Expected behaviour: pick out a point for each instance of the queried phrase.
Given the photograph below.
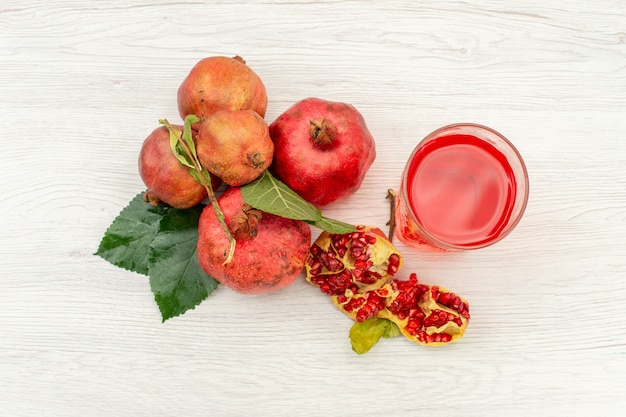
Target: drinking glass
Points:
(465, 186)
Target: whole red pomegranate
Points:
(221, 82)
(269, 251)
(322, 149)
(235, 145)
(164, 176)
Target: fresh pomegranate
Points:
(428, 315)
(323, 149)
(221, 82)
(351, 262)
(235, 145)
(269, 251)
(166, 179)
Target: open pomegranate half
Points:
(354, 262)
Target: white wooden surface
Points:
(83, 83)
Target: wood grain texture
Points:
(83, 83)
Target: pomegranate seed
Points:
(319, 280)
(356, 252)
(316, 250)
(444, 298)
(316, 268)
(434, 292)
(360, 264)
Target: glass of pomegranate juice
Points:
(464, 187)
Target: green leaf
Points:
(391, 330)
(187, 135)
(176, 278)
(333, 226)
(160, 241)
(177, 148)
(126, 243)
(364, 335)
(176, 136)
(270, 195)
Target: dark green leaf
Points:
(270, 195)
(126, 243)
(333, 226)
(160, 242)
(364, 335)
(176, 278)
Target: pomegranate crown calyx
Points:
(244, 224)
(322, 132)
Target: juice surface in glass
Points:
(461, 191)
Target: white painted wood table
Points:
(83, 83)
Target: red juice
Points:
(461, 189)
(460, 192)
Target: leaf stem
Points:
(205, 179)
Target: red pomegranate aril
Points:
(374, 303)
(383, 292)
(444, 298)
(315, 250)
(415, 312)
(361, 264)
(354, 303)
(316, 269)
(439, 318)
